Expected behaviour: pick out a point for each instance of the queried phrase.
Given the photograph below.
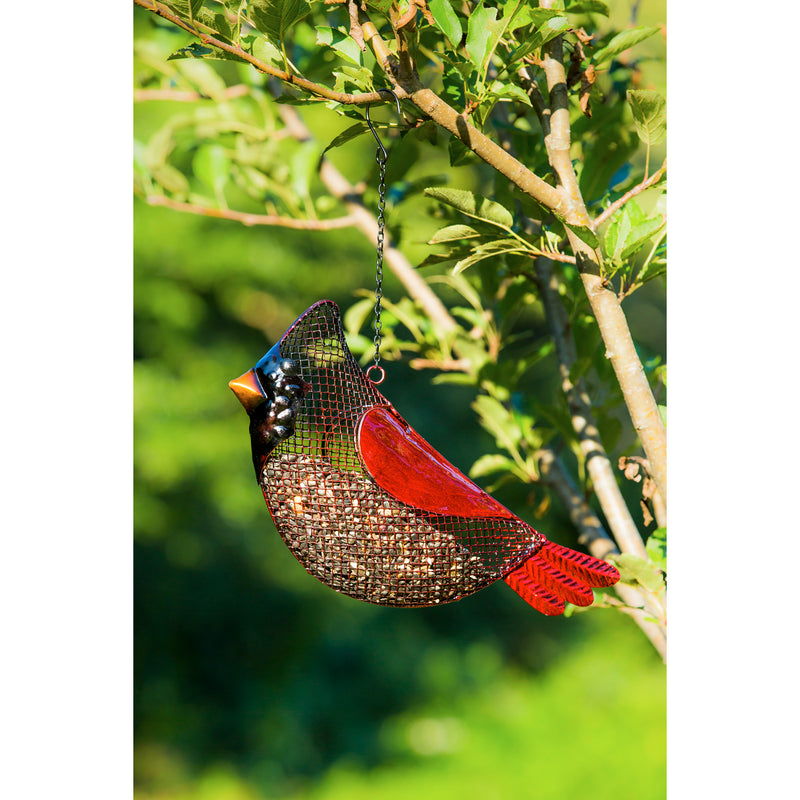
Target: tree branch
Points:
(178, 96)
(638, 189)
(252, 219)
(598, 464)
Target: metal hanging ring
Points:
(382, 374)
(369, 121)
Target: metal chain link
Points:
(381, 156)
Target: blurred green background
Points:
(253, 680)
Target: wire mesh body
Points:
(343, 526)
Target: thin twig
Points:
(443, 365)
(176, 95)
(553, 256)
(249, 219)
(638, 189)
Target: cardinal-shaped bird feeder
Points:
(368, 506)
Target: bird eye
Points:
(288, 367)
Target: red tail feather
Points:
(556, 574)
(589, 570)
(534, 594)
(558, 582)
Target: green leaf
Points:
(641, 235)
(446, 20)
(173, 180)
(204, 77)
(356, 316)
(496, 419)
(479, 34)
(588, 7)
(484, 32)
(263, 49)
(633, 569)
(382, 5)
(275, 17)
(662, 412)
(460, 154)
(346, 135)
(629, 230)
(197, 50)
(657, 548)
(194, 7)
(649, 115)
(623, 41)
(473, 205)
(303, 166)
(181, 7)
(585, 234)
(340, 41)
(453, 233)
(489, 464)
(510, 91)
(456, 378)
(551, 27)
(212, 166)
(489, 250)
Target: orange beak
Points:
(247, 388)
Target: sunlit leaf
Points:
(446, 20)
(480, 29)
(657, 548)
(212, 165)
(275, 17)
(634, 569)
(553, 26)
(649, 115)
(453, 233)
(630, 228)
(340, 41)
(473, 205)
(623, 41)
(346, 135)
(489, 464)
(496, 418)
(197, 50)
(588, 7)
(585, 234)
(511, 91)
(382, 5)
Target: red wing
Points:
(403, 464)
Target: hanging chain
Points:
(381, 156)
